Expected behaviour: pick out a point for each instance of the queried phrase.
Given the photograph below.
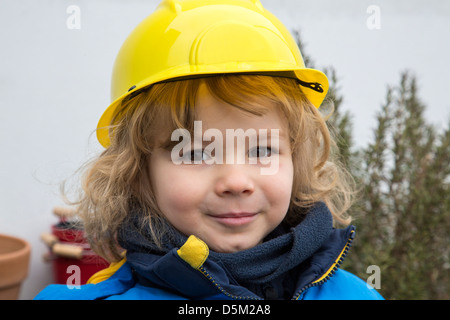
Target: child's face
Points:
(231, 206)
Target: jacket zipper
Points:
(219, 287)
(325, 277)
(330, 272)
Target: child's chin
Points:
(232, 247)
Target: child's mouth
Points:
(234, 218)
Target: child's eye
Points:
(260, 152)
(196, 155)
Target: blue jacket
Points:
(187, 273)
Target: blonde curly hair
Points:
(118, 180)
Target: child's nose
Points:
(234, 180)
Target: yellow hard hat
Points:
(183, 38)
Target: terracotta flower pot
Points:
(14, 260)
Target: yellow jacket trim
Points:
(105, 274)
(336, 262)
(194, 252)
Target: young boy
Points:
(216, 181)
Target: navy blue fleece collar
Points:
(257, 265)
(273, 258)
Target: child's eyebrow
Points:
(168, 144)
(280, 133)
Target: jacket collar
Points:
(175, 273)
(191, 272)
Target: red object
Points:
(75, 271)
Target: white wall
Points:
(54, 85)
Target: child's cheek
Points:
(278, 187)
(180, 192)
